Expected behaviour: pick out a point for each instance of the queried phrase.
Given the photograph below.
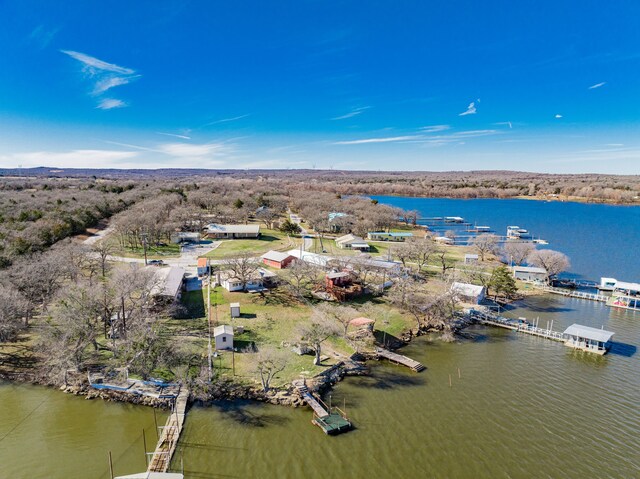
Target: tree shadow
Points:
(193, 301)
(386, 379)
(242, 414)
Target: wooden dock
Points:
(161, 457)
(330, 422)
(517, 325)
(400, 359)
(570, 293)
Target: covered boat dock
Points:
(589, 339)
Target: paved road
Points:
(307, 241)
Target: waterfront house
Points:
(607, 284)
(444, 240)
(530, 274)
(625, 295)
(353, 242)
(589, 339)
(223, 336)
(277, 259)
(470, 258)
(216, 231)
(234, 310)
(384, 236)
(469, 293)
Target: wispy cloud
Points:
(435, 128)
(191, 150)
(597, 85)
(504, 123)
(352, 113)
(184, 137)
(388, 139)
(558, 116)
(71, 159)
(471, 109)
(104, 76)
(226, 120)
(110, 104)
(42, 36)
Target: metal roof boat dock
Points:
(588, 339)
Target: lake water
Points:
(600, 240)
(522, 406)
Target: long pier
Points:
(168, 441)
(400, 359)
(576, 294)
(516, 325)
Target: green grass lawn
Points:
(269, 240)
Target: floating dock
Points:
(323, 416)
(518, 325)
(400, 359)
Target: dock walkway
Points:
(575, 294)
(400, 359)
(310, 399)
(515, 325)
(161, 457)
(323, 417)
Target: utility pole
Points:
(144, 246)
(209, 323)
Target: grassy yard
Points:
(153, 252)
(269, 240)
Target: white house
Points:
(469, 293)
(530, 273)
(216, 231)
(470, 258)
(352, 242)
(444, 240)
(261, 279)
(223, 336)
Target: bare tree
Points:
(242, 268)
(341, 314)
(13, 307)
(267, 363)
(517, 252)
(554, 262)
(445, 263)
(302, 275)
(485, 244)
(317, 331)
(268, 216)
(103, 251)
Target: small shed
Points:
(203, 266)
(530, 273)
(469, 293)
(471, 258)
(589, 339)
(362, 323)
(223, 336)
(234, 309)
(277, 259)
(338, 278)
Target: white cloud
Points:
(184, 137)
(471, 109)
(435, 128)
(558, 116)
(71, 159)
(352, 113)
(184, 150)
(105, 76)
(504, 123)
(597, 85)
(226, 120)
(379, 140)
(110, 103)
(92, 64)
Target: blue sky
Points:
(549, 86)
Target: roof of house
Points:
(470, 256)
(628, 286)
(398, 234)
(234, 305)
(311, 258)
(230, 229)
(364, 244)
(335, 214)
(445, 239)
(223, 329)
(168, 280)
(529, 269)
(277, 256)
(467, 289)
(203, 262)
(362, 321)
(351, 239)
(588, 332)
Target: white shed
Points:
(530, 273)
(235, 310)
(469, 293)
(470, 258)
(223, 336)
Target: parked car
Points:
(155, 262)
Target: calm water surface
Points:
(522, 406)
